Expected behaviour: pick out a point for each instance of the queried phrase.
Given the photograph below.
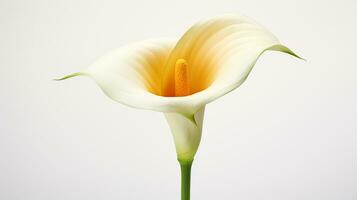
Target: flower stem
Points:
(185, 178)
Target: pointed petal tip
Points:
(69, 76)
(290, 52)
(285, 49)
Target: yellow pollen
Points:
(181, 78)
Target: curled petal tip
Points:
(285, 49)
(69, 76)
(295, 55)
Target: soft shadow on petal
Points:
(132, 75)
(220, 53)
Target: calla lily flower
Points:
(178, 77)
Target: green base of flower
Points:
(185, 178)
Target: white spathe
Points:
(220, 52)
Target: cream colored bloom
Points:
(179, 77)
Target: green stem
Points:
(185, 179)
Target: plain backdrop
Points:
(288, 133)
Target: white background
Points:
(288, 133)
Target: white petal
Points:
(220, 52)
(132, 74)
